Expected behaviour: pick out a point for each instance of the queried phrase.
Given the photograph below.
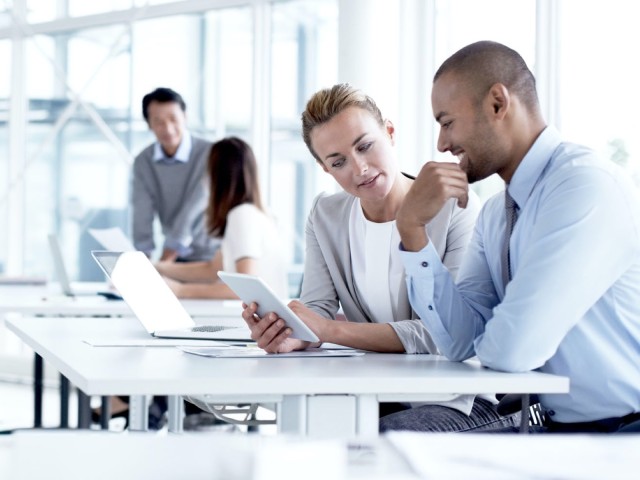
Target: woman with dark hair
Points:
(235, 214)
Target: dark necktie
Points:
(510, 211)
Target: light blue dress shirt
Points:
(573, 305)
(181, 155)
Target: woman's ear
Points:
(391, 131)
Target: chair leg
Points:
(524, 416)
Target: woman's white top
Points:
(378, 272)
(378, 275)
(250, 233)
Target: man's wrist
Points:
(413, 238)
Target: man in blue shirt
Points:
(168, 182)
(571, 305)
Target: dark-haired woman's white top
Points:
(251, 233)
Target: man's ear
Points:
(499, 100)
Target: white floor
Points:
(16, 407)
(16, 404)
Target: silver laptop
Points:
(153, 302)
(62, 275)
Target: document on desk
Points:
(155, 342)
(254, 352)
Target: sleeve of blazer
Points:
(318, 289)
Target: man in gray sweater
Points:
(168, 181)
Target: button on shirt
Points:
(572, 307)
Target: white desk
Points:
(109, 456)
(314, 396)
(399, 456)
(47, 300)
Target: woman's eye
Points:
(365, 146)
(338, 163)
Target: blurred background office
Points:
(74, 72)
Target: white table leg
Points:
(367, 408)
(291, 413)
(176, 413)
(138, 413)
(328, 416)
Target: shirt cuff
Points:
(423, 263)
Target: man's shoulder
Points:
(579, 163)
(200, 148)
(145, 156)
(198, 143)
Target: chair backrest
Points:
(512, 403)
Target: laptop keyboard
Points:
(209, 328)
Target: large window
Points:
(5, 180)
(85, 119)
(598, 79)
(70, 119)
(463, 22)
(77, 167)
(303, 59)
(243, 69)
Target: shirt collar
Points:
(181, 155)
(528, 173)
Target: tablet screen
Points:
(253, 289)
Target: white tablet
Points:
(252, 289)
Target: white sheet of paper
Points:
(252, 351)
(112, 239)
(154, 342)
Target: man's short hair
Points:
(162, 95)
(485, 63)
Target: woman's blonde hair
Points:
(329, 102)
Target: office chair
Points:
(222, 411)
(511, 403)
(633, 427)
